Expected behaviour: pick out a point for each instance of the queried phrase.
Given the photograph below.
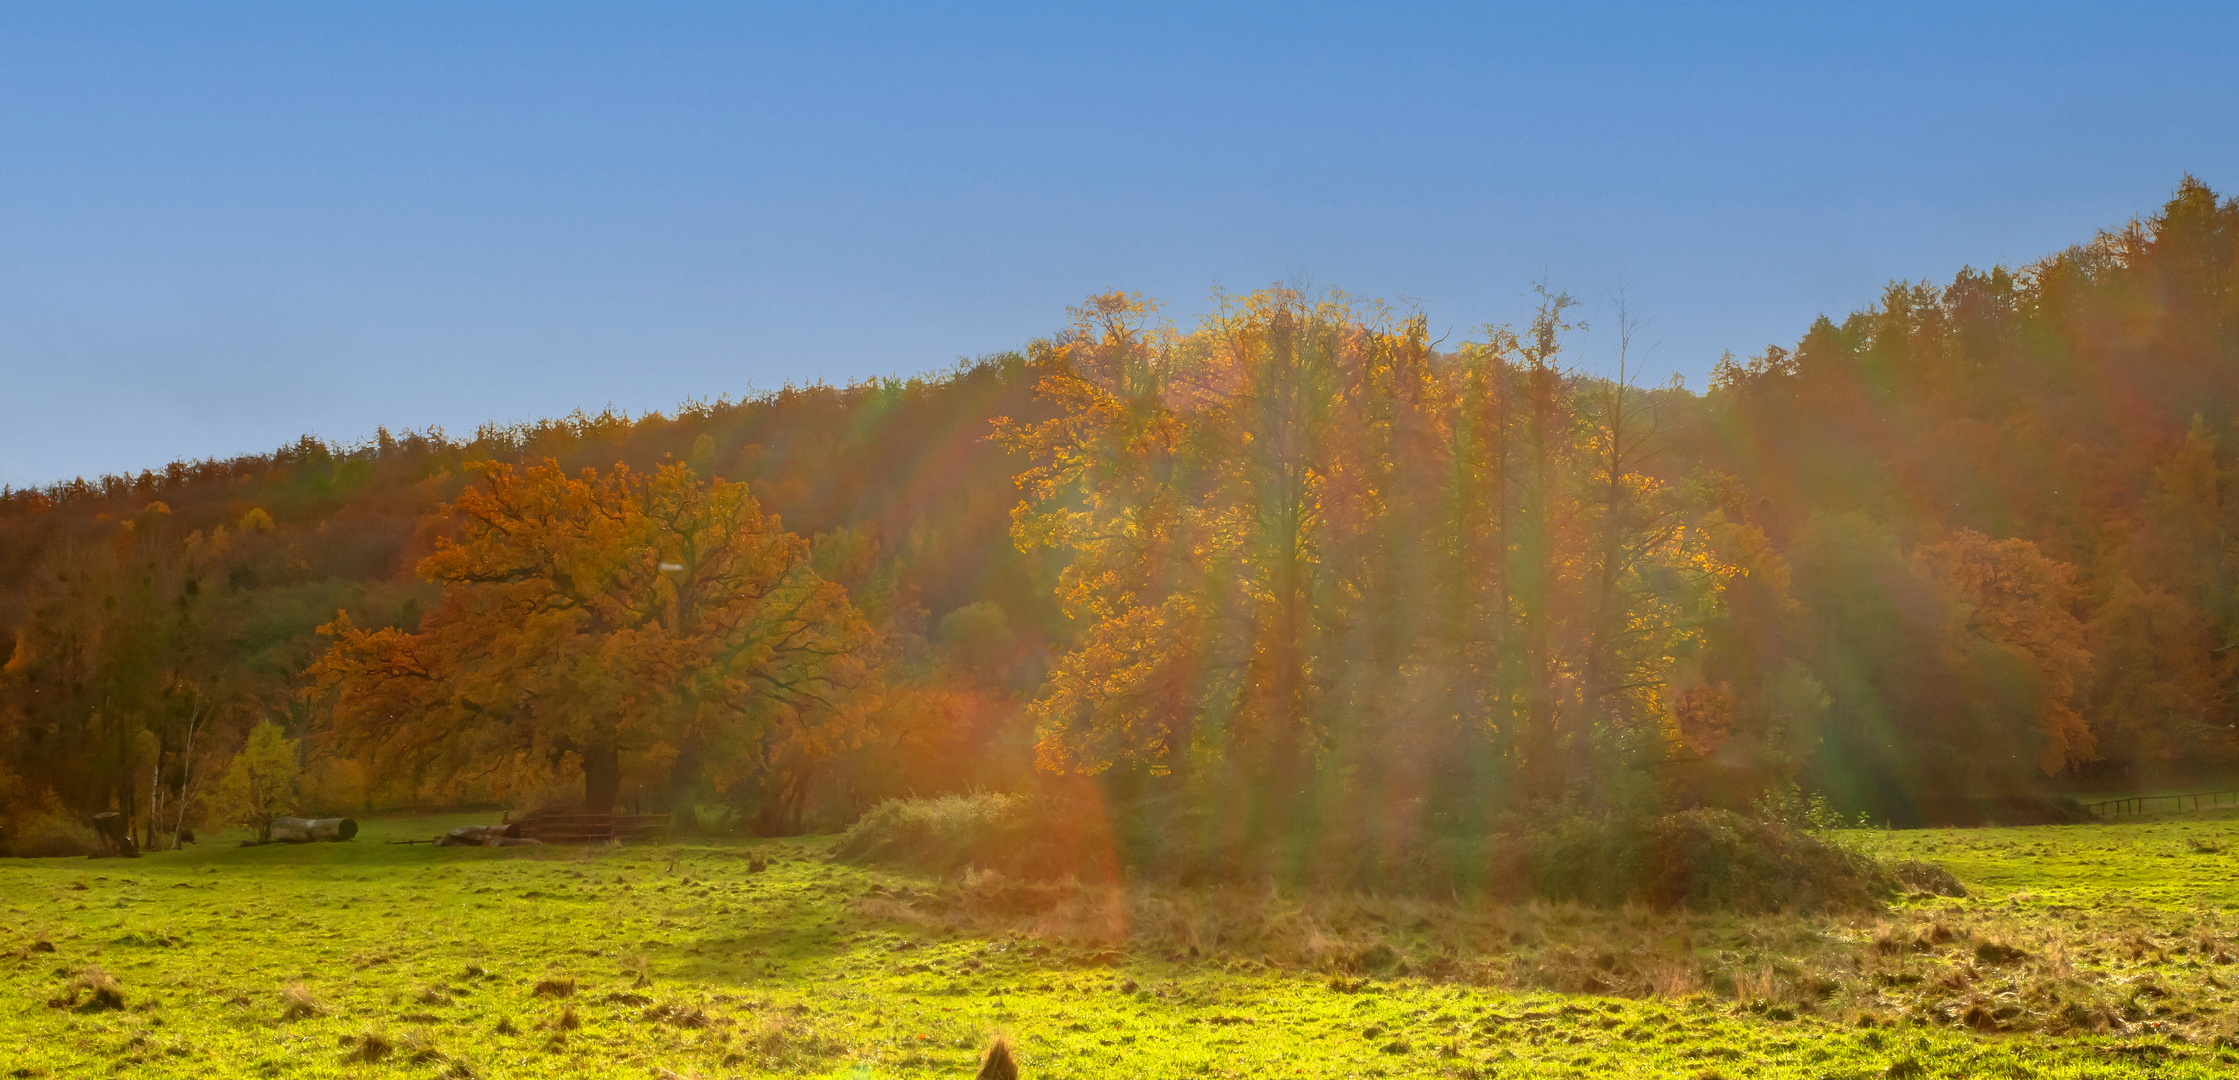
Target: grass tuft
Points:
(1926, 878)
(297, 1003)
(996, 1064)
(371, 1047)
(1998, 952)
(677, 1014)
(100, 990)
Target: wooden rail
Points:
(2135, 805)
(556, 828)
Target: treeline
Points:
(2008, 498)
(153, 623)
(1291, 566)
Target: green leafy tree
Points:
(260, 785)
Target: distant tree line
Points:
(1292, 563)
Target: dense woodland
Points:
(1291, 565)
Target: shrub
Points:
(52, 835)
(1014, 835)
(1695, 859)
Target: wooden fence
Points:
(557, 828)
(2135, 805)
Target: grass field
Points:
(2082, 951)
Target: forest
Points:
(1292, 563)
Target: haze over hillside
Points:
(1973, 540)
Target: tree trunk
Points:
(115, 831)
(295, 830)
(602, 778)
(684, 789)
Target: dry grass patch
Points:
(369, 1048)
(92, 989)
(297, 1003)
(1976, 966)
(678, 1014)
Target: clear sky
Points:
(222, 226)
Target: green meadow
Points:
(2080, 951)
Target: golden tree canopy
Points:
(600, 615)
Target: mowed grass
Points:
(709, 958)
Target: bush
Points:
(1695, 859)
(51, 835)
(1015, 835)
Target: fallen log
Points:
(295, 830)
(480, 836)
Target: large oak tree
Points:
(604, 619)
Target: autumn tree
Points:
(260, 784)
(2014, 635)
(1317, 564)
(2157, 699)
(602, 618)
(1747, 707)
(116, 669)
(1107, 486)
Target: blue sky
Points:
(223, 226)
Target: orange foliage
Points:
(606, 616)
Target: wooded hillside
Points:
(1293, 563)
